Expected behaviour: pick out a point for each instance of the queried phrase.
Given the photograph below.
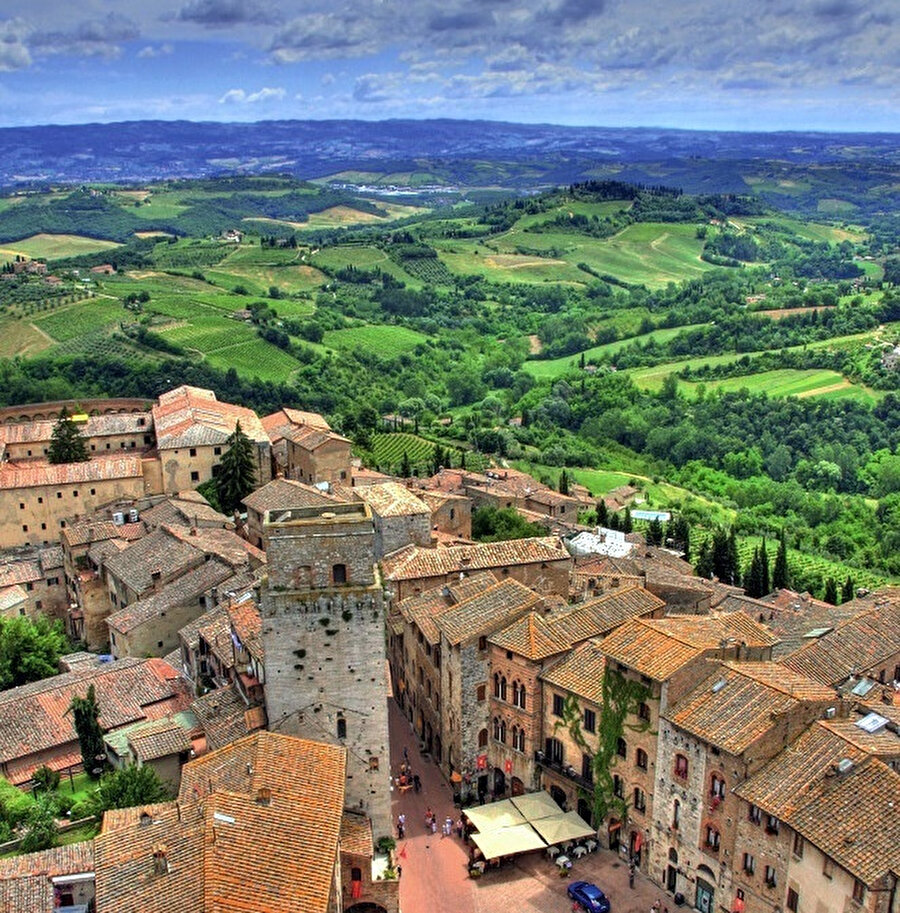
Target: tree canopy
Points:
(66, 443)
(127, 787)
(30, 649)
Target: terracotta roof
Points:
(216, 633)
(159, 739)
(225, 544)
(185, 509)
(436, 499)
(11, 597)
(659, 647)
(36, 718)
(184, 590)
(533, 637)
(740, 702)
(221, 714)
(850, 816)
(286, 416)
(156, 552)
(857, 645)
(190, 633)
(16, 570)
(883, 743)
(483, 614)
(247, 623)
(51, 558)
(84, 532)
(601, 615)
(189, 416)
(391, 499)
(286, 494)
(60, 860)
(356, 834)
(413, 562)
(37, 474)
(581, 672)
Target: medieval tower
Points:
(324, 636)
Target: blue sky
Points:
(701, 64)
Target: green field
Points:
(790, 382)
(555, 367)
(387, 341)
(388, 450)
(18, 338)
(85, 317)
(55, 247)
(361, 257)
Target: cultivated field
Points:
(55, 247)
(387, 341)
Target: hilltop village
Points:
(742, 752)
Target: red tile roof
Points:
(36, 474)
(190, 416)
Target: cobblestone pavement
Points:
(434, 876)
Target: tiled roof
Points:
(88, 531)
(659, 647)
(740, 702)
(436, 499)
(884, 743)
(185, 509)
(850, 816)
(96, 426)
(391, 499)
(158, 551)
(247, 623)
(857, 645)
(36, 716)
(103, 469)
(189, 416)
(19, 571)
(159, 739)
(601, 615)
(184, 590)
(581, 672)
(413, 562)
(356, 834)
(225, 544)
(221, 714)
(216, 633)
(11, 597)
(72, 859)
(310, 438)
(51, 558)
(483, 614)
(190, 633)
(532, 637)
(286, 494)
(276, 423)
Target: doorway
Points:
(672, 871)
(705, 896)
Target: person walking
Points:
(399, 872)
(401, 824)
(417, 783)
(433, 825)
(429, 816)
(631, 874)
(448, 826)
(459, 828)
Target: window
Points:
(554, 751)
(640, 800)
(681, 767)
(755, 814)
(644, 712)
(482, 643)
(717, 789)
(52, 581)
(40, 500)
(712, 839)
(558, 705)
(59, 494)
(499, 686)
(618, 788)
(590, 721)
(859, 891)
(193, 451)
(24, 527)
(21, 506)
(339, 573)
(749, 865)
(772, 824)
(587, 767)
(29, 585)
(797, 849)
(195, 476)
(93, 491)
(482, 738)
(355, 874)
(480, 693)
(793, 900)
(519, 695)
(828, 868)
(770, 876)
(621, 747)
(39, 605)
(640, 759)
(75, 494)
(499, 730)
(217, 451)
(676, 815)
(518, 739)
(452, 513)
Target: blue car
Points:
(589, 896)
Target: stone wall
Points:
(392, 533)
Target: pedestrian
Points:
(429, 816)
(417, 782)
(399, 872)
(406, 754)
(631, 874)
(399, 830)
(448, 826)
(433, 825)
(459, 828)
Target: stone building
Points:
(717, 736)
(282, 421)
(316, 455)
(103, 435)
(280, 494)
(323, 633)
(451, 515)
(401, 518)
(33, 583)
(542, 564)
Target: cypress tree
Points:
(704, 566)
(602, 513)
(66, 443)
(831, 594)
(564, 483)
(86, 714)
(753, 576)
(237, 471)
(733, 559)
(848, 590)
(405, 468)
(627, 524)
(780, 577)
(654, 532)
(764, 569)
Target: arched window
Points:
(497, 684)
(341, 728)
(681, 767)
(618, 789)
(483, 738)
(496, 729)
(644, 711)
(717, 788)
(713, 839)
(520, 701)
(676, 815)
(503, 731)
(640, 800)
(621, 747)
(502, 687)
(640, 759)
(519, 739)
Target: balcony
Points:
(564, 770)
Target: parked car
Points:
(589, 896)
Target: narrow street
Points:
(435, 877)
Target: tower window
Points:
(341, 728)
(339, 573)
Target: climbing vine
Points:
(620, 697)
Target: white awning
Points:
(508, 840)
(536, 805)
(562, 827)
(495, 815)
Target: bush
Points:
(45, 779)
(15, 805)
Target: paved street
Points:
(434, 876)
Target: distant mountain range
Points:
(445, 152)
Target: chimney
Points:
(155, 575)
(160, 859)
(264, 796)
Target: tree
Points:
(627, 524)
(493, 524)
(86, 713)
(30, 649)
(753, 579)
(564, 483)
(127, 787)
(848, 590)
(654, 532)
(45, 779)
(237, 471)
(679, 533)
(602, 513)
(831, 594)
(66, 443)
(405, 467)
(764, 569)
(41, 831)
(780, 574)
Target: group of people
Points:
(431, 824)
(406, 779)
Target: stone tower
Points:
(324, 637)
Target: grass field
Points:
(55, 247)
(790, 382)
(362, 257)
(472, 258)
(555, 367)
(19, 338)
(85, 317)
(383, 340)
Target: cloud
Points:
(14, 54)
(90, 38)
(149, 52)
(240, 97)
(319, 36)
(215, 14)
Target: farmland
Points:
(384, 340)
(53, 247)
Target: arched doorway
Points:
(614, 829)
(366, 908)
(672, 871)
(706, 891)
(517, 787)
(585, 812)
(499, 782)
(635, 845)
(558, 796)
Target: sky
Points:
(693, 64)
